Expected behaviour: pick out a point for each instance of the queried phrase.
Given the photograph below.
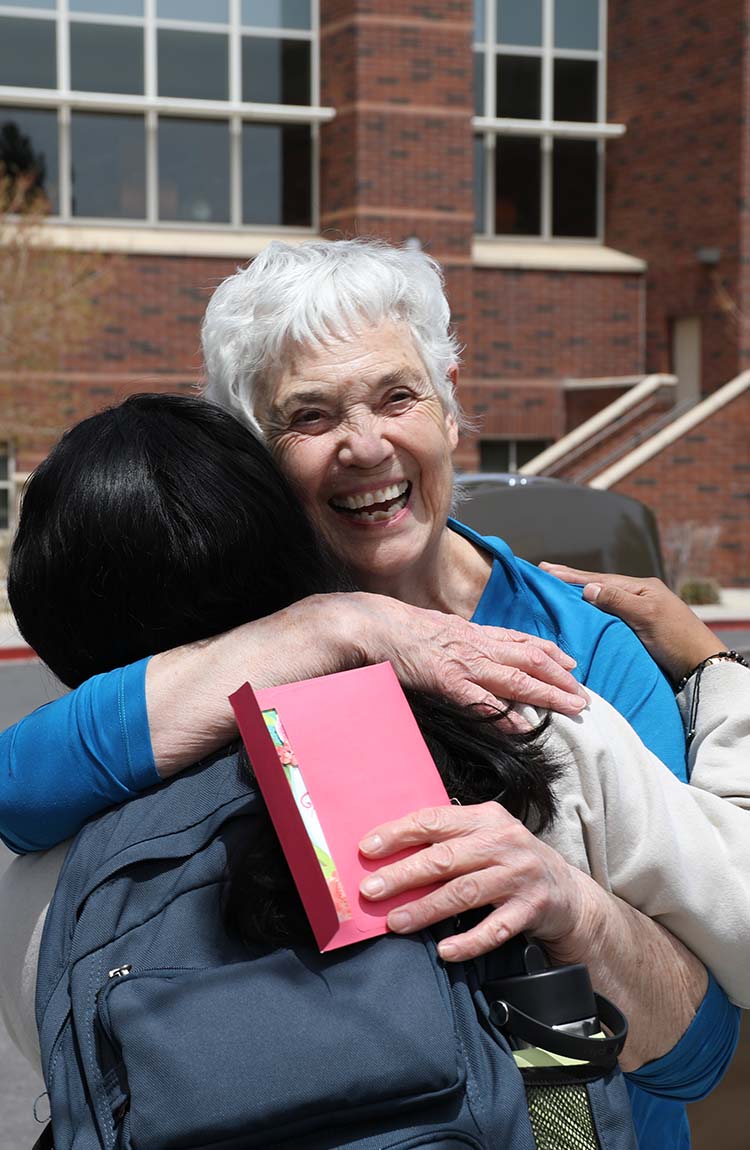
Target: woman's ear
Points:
(451, 422)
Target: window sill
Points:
(162, 240)
(541, 256)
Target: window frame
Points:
(9, 485)
(512, 443)
(234, 110)
(546, 129)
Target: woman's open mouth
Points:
(373, 506)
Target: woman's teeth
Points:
(374, 506)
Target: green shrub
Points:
(700, 592)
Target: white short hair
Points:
(301, 296)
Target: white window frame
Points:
(490, 127)
(234, 110)
(9, 485)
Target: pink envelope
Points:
(334, 757)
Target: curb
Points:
(17, 655)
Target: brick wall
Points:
(704, 478)
(143, 335)
(529, 324)
(674, 180)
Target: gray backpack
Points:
(161, 1031)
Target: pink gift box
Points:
(347, 756)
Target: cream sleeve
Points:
(680, 854)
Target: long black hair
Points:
(163, 521)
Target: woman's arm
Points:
(678, 854)
(123, 731)
(672, 634)
(483, 856)
(327, 633)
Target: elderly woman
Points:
(341, 354)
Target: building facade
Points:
(578, 167)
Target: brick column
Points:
(397, 160)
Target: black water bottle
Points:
(560, 997)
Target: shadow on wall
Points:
(719, 1122)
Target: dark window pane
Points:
(109, 166)
(216, 12)
(494, 455)
(479, 19)
(193, 64)
(27, 53)
(28, 147)
(519, 22)
(528, 449)
(4, 508)
(479, 179)
(3, 460)
(108, 7)
(478, 84)
(575, 90)
(519, 87)
(105, 58)
(577, 24)
(276, 174)
(194, 170)
(518, 173)
(275, 71)
(574, 187)
(277, 13)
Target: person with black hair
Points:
(121, 552)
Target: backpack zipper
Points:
(120, 971)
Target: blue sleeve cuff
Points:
(75, 757)
(692, 1068)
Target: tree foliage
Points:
(47, 294)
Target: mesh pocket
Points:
(561, 1117)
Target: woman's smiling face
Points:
(358, 428)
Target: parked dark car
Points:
(563, 522)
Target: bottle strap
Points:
(599, 1051)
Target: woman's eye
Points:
(398, 398)
(306, 418)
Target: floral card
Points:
(334, 757)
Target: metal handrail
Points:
(638, 437)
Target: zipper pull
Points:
(120, 971)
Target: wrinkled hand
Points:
(472, 664)
(671, 632)
(481, 856)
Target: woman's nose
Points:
(363, 444)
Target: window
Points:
(539, 86)
(200, 112)
(6, 487)
(509, 454)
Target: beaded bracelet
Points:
(731, 656)
(728, 656)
